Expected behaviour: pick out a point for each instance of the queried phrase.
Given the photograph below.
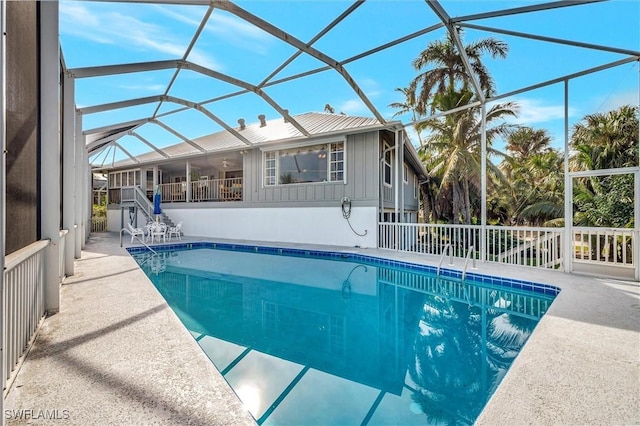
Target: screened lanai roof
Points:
(155, 74)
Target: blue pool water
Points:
(317, 338)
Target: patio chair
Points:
(175, 230)
(159, 231)
(147, 230)
(135, 231)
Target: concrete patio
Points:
(117, 354)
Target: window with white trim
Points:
(269, 168)
(415, 186)
(309, 164)
(386, 165)
(121, 179)
(405, 174)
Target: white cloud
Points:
(615, 101)
(537, 111)
(239, 33)
(352, 106)
(106, 26)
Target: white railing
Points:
(526, 246)
(538, 247)
(217, 190)
(604, 246)
(428, 238)
(173, 192)
(23, 302)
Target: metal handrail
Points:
(448, 246)
(137, 238)
(466, 262)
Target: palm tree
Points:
(605, 141)
(456, 141)
(444, 83)
(445, 69)
(533, 170)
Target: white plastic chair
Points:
(135, 232)
(147, 230)
(159, 231)
(174, 230)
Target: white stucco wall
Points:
(311, 225)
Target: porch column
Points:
(155, 178)
(567, 252)
(69, 180)
(50, 152)
(80, 187)
(188, 181)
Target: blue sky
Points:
(96, 34)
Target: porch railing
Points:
(23, 302)
(203, 190)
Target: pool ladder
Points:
(466, 262)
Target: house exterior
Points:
(275, 183)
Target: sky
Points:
(94, 34)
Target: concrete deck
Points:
(116, 353)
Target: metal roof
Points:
(257, 134)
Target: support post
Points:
(69, 171)
(568, 190)
(483, 184)
(3, 180)
(50, 150)
(79, 187)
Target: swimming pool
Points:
(313, 337)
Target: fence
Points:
(604, 246)
(537, 247)
(23, 302)
(98, 224)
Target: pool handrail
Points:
(466, 262)
(137, 238)
(444, 252)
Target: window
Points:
(405, 174)
(386, 167)
(122, 179)
(317, 163)
(269, 168)
(415, 186)
(337, 162)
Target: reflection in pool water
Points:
(307, 341)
